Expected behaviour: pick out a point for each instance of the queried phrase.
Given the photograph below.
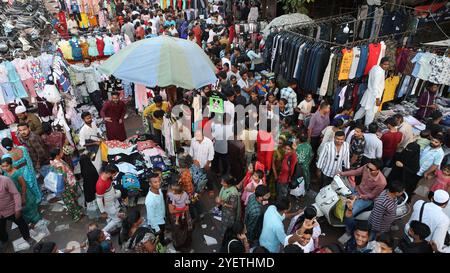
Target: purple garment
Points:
(183, 31)
(179, 201)
(427, 98)
(318, 123)
(10, 199)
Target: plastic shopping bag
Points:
(54, 182)
(300, 189)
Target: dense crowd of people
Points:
(250, 183)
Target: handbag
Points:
(54, 182)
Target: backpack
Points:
(296, 175)
(259, 224)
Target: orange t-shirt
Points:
(346, 63)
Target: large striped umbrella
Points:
(162, 61)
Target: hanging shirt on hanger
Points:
(422, 69)
(363, 56)
(390, 85)
(346, 63)
(374, 54)
(355, 62)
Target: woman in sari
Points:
(304, 156)
(277, 159)
(229, 199)
(69, 194)
(30, 209)
(22, 162)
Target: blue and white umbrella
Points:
(162, 61)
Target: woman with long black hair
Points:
(235, 239)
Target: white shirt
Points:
(173, 31)
(375, 87)
(89, 133)
(435, 218)
(237, 75)
(228, 108)
(355, 61)
(308, 248)
(374, 146)
(212, 34)
(221, 133)
(305, 107)
(202, 152)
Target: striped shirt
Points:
(383, 213)
(291, 97)
(330, 162)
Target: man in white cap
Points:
(31, 119)
(432, 214)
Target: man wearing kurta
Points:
(113, 112)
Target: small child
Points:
(255, 180)
(179, 199)
(304, 109)
(104, 239)
(424, 139)
(441, 181)
(345, 113)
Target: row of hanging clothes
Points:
(340, 73)
(380, 20)
(294, 56)
(92, 46)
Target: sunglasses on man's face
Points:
(372, 170)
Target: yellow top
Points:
(346, 63)
(66, 49)
(84, 23)
(157, 123)
(390, 85)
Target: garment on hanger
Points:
(390, 85)
(346, 63)
(363, 57)
(109, 47)
(374, 53)
(77, 53)
(93, 51)
(100, 46)
(440, 70)
(14, 79)
(422, 68)
(355, 61)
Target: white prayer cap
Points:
(20, 109)
(440, 196)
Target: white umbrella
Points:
(439, 43)
(285, 22)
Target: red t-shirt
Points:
(374, 54)
(390, 141)
(102, 186)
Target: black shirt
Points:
(434, 128)
(408, 247)
(240, 100)
(244, 13)
(233, 246)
